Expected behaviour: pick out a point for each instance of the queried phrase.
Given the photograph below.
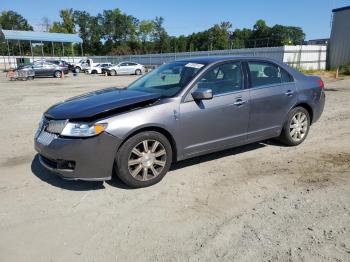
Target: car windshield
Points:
(168, 79)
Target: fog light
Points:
(64, 164)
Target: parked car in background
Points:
(83, 65)
(180, 110)
(97, 69)
(46, 69)
(125, 68)
(61, 63)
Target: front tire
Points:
(113, 73)
(296, 128)
(138, 72)
(77, 70)
(144, 159)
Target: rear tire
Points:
(296, 127)
(77, 70)
(58, 74)
(144, 159)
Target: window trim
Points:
(187, 96)
(250, 86)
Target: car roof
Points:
(215, 59)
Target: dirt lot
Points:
(261, 202)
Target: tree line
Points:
(113, 32)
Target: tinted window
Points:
(286, 77)
(49, 64)
(53, 62)
(222, 79)
(132, 64)
(263, 73)
(123, 64)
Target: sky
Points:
(187, 16)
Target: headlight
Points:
(83, 129)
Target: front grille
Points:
(55, 126)
(46, 138)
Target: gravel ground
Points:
(260, 202)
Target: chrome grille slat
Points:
(46, 138)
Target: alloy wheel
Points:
(58, 74)
(147, 160)
(298, 126)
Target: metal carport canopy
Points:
(39, 36)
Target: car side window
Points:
(265, 73)
(123, 64)
(286, 77)
(222, 79)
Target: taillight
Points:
(320, 83)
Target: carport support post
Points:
(42, 50)
(31, 50)
(81, 49)
(20, 49)
(53, 49)
(8, 52)
(62, 49)
(73, 52)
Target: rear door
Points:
(220, 122)
(49, 69)
(272, 94)
(132, 68)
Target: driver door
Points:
(220, 122)
(122, 69)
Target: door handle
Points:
(289, 93)
(239, 102)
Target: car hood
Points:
(100, 102)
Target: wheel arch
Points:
(308, 108)
(160, 130)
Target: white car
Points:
(126, 68)
(97, 69)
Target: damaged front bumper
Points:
(89, 159)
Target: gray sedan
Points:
(180, 110)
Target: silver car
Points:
(180, 110)
(126, 68)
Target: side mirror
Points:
(202, 94)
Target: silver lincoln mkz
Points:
(180, 110)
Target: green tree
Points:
(67, 24)
(12, 20)
(90, 30)
(146, 30)
(160, 36)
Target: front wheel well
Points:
(159, 130)
(308, 108)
